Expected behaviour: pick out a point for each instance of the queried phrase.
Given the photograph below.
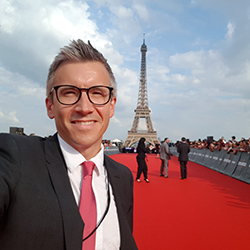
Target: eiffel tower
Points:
(142, 111)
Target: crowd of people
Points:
(230, 146)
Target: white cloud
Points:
(12, 117)
(179, 78)
(142, 12)
(230, 31)
(9, 118)
(21, 103)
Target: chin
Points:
(86, 142)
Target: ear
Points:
(112, 107)
(49, 106)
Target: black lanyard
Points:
(105, 213)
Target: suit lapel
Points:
(114, 177)
(71, 218)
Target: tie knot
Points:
(88, 167)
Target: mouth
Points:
(83, 123)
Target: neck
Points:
(90, 152)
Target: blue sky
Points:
(198, 61)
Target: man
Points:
(234, 139)
(165, 156)
(183, 149)
(40, 179)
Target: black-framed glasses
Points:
(69, 94)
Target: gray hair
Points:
(79, 51)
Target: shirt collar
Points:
(73, 158)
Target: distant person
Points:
(234, 139)
(223, 142)
(165, 156)
(183, 149)
(142, 165)
(64, 193)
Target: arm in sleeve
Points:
(9, 162)
(178, 149)
(130, 187)
(167, 149)
(145, 150)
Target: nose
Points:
(84, 105)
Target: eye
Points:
(98, 91)
(68, 91)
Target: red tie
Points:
(87, 206)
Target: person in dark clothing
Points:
(183, 150)
(142, 166)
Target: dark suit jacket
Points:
(37, 205)
(183, 150)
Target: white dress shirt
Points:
(108, 233)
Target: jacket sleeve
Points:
(10, 170)
(167, 149)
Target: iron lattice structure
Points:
(142, 111)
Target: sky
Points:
(198, 62)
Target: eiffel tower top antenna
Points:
(142, 102)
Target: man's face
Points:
(167, 141)
(83, 124)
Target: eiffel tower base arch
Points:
(135, 137)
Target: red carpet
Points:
(208, 210)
